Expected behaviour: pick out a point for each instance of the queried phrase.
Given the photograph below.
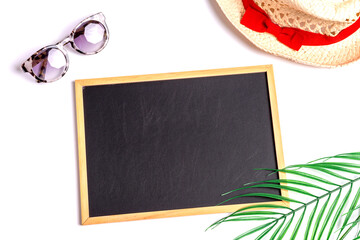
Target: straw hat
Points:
(315, 32)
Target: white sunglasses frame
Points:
(27, 65)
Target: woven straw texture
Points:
(333, 55)
(287, 16)
(334, 10)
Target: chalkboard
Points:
(169, 145)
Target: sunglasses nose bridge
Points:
(63, 42)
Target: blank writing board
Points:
(169, 145)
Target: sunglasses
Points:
(51, 63)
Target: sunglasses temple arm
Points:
(26, 66)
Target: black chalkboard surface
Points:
(170, 144)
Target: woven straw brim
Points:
(333, 10)
(338, 54)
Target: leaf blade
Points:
(319, 217)
(269, 185)
(286, 228)
(266, 195)
(329, 214)
(338, 212)
(252, 231)
(311, 218)
(351, 210)
(298, 224)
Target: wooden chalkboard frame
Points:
(80, 84)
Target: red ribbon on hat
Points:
(257, 20)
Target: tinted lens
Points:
(90, 37)
(49, 64)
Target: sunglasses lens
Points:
(90, 37)
(49, 64)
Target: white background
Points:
(319, 108)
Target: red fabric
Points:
(257, 20)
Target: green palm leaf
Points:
(285, 181)
(301, 174)
(337, 204)
(278, 229)
(283, 232)
(265, 195)
(298, 224)
(329, 214)
(320, 216)
(264, 233)
(353, 224)
(257, 206)
(351, 210)
(267, 185)
(311, 218)
(254, 230)
(338, 212)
